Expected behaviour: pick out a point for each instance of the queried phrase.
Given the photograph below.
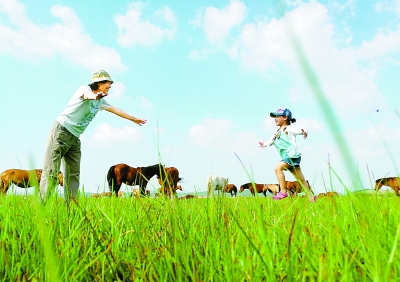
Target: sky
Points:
(205, 75)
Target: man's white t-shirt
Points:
(79, 112)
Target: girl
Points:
(285, 142)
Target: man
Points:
(63, 145)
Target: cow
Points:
(231, 188)
(136, 193)
(190, 196)
(169, 181)
(251, 186)
(331, 194)
(272, 188)
(392, 182)
(109, 194)
(132, 176)
(23, 178)
(294, 187)
(260, 188)
(216, 183)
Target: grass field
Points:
(346, 238)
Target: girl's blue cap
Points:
(282, 112)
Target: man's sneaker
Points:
(280, 196)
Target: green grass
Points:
(347, 238)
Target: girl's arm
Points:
(268, 143)
(296, 131)
(122, 114)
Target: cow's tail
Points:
(209, 185)
(111, 178)
(1, 186)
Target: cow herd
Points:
(220, 184)
(168, 178)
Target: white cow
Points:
(216, 183)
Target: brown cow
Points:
(187, 197)
(392, 182)
(23, 178)
(136, 193)
(109, 194)
(230, 188)
(294, 187)
(272, 188)
(259, 188)
(169, 183)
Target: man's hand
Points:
(139, 121)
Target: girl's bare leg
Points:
(279, 168)
(298, 174)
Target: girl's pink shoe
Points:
(280, 196)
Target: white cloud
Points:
(217, 24)
(132, 30)
(25, 39)
(146, 104)
(106, 135)
(388, 6)
(266, 45)
(219, 134)
(371, 140)
(210, 131)
(344, 6)
(118, 90)
(202, 54)
(160, 130)
(386, 42)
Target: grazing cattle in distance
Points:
(187, 197)
(123, 173)
(23, 178)
(294, 187)
(258, 187)
(392, 182)
(231, 188)
(169, 181)
(272, 188)
(136, 193)
(108, 194)
(216, 183)
(328, 194)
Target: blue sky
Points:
(206, 75)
